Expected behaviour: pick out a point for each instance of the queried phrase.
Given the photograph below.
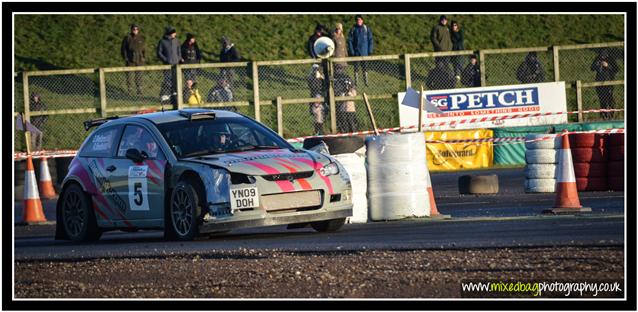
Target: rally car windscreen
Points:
(220, 135)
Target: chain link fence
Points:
(295, 97)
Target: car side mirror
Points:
(134, 155)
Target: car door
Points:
(141, 184)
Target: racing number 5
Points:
(137, 189)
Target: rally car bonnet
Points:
(265, 162)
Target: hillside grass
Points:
(84, 41)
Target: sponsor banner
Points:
(469, 108)
(455, 156)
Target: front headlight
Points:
(329, 169)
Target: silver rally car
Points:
(196, 171)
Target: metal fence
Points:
(306, 97)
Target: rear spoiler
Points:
(96, 122)
(198, 115)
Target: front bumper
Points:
(261, 218)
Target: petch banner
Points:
(470, 108)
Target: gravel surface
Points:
(251, 273)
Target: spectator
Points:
(169, 52)
(191, 93)
(222, 93)
(192, 55)
(317, 109)
(471, 75)
(441, 39)
(346, 110)
(457, 45)
(360, 43)
(531, 70)
(134, 54)
(319, 32)
(36, 104)
(606, 70)
(340, 46)
(228, 53)
(440, 77)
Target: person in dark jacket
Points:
(222, 93)
(531, 70)
(319, 32)
(441, 40)
(360, 43)
(228, 53)
(133, 51)
(36, 104)
(471, 75)
(457, 45)
(191, 55)
(440, 77)
(606, 69)
(169, 52)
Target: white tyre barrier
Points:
(547, 141)
(397, 176)
(541, 156)
(540, 185)
(540, 171)
(355, 167)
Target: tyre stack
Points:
(590, 161)
(541, 158)
(343, 150)
(616, 161)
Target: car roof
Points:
(174, 115)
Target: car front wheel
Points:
(328, 225)
(183, 212)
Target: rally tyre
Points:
(540, 185)
(541, 156)
(183, 214)
(328, 225)
(590, 170)
(588, 155)
(547, 141)
(580, 140)
(540, 171)
(616, 153)
(591, 184)
(478, 184)
(337, 145)
(78, 217)
(616, 139)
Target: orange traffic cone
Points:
(566, 191)
(434, 212)
(46, 185)
(32, 212)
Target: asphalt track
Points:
(508, 219)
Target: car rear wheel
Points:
(183, 212)
(328, 225)
(78, 219)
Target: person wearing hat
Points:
(471, 75)
(606, 69)
(340, 41)
(360, 43)
(228, 53)
(319, 32)
(531, 70)
(192, 55)
(441, 40)
(169, 52)
(133, 51)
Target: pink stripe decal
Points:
(317, 166)
(284, 185)
(154, 167)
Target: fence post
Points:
(256, 90)
(408, 73)
(482, 67)
(25, 94)
(331, 96)
(280, 117)
(180, 86)
(579, 100)
(556, 64)
(102, 80)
